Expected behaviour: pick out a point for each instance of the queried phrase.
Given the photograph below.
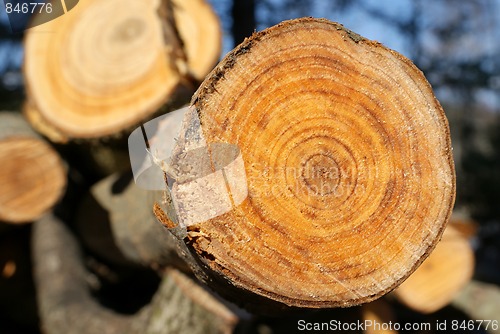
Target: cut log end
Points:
(101, 69)
(380, 312)
(442, 275)
(348, 163)
(106, 66)
(32, 179)
(200, 31)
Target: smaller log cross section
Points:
(32, 176)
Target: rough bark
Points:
(17, 291)
(185, 306)
(348, 164)
(33, 176)
(64, 298)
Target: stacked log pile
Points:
(342, 187)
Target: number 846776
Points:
(28, 7)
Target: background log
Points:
(64, 299)
(122, 61)
(67, 306)
(442, 275)
(186, 306)
(33, 176)
(481, 301)
(200, 32)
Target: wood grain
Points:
(103, 67)
(348, 161)
(32, 177)
(442, 275)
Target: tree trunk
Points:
(244, 25)
(103, 67)
(33, 177)
(332, 177)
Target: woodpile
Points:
(312, 170)
(349, 173)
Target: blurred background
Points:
(454, 42)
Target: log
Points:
(33, 176)
(67, 305)
(187, 307)
(379, 314)
(481, 301)
(116, 223)
(103, 67)
(341, 154)
(200, 31)
(441, 276)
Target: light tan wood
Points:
(105, 66)
(32, 115)
(66, 303)
(379, 317)
(442, 275)
(348, 164)
(481, 301)
(465, 225)
(200, 31)
(32, 176)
